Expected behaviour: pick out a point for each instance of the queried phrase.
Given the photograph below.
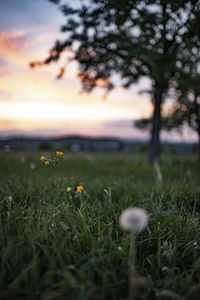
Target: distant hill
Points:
(75, 143)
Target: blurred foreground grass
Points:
(57, 246)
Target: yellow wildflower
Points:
(42, 158)
(68, 189)
(59, 153)
(10, 198)
(79, 188)
(47, 163)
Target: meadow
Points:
(56, 244)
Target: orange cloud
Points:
(21, 46)
(12, 46)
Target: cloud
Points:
(22, 46)
(14, 47)
(119, 124)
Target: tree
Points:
(186, 109)
(133, 39)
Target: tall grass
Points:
(57, 246)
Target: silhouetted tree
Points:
(131, 38)
(186, 109)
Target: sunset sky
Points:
(34, 103)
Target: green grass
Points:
(57, 246)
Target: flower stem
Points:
(132, 271)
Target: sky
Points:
(34, 103)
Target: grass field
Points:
(59, 245)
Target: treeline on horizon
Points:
(76, 144)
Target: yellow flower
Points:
(47, 163)
(59, 153)
(42, 158)
(68, 189)
(79, 188)
(10, 198)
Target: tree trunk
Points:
(154, 147)
(198, 147)
(197, 112)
